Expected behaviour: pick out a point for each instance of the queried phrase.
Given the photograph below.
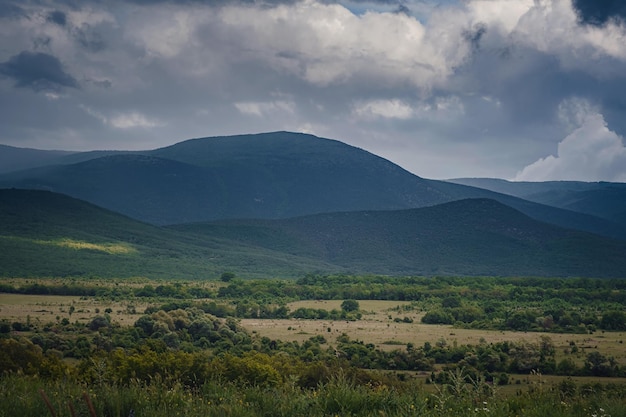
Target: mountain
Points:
(14, 159)
(44, 234)
(271, 175)
(606, 200)
(466, 237)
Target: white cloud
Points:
(552, 26)
(262, 108)
(438, 109)
(128, 120)
(133, 120)
(590, 153)
(388, 109)
(326, 44)
(499, 15)
(479, 83)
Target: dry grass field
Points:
(42, 309)
(377, 326)
(48, 308)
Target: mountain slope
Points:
(13, 159)
(270, 175)
(45, 234)
(605, 200)
(288, 174)
(273, 175)
(467, 237)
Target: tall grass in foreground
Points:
(19, 396)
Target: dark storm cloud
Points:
(38, 71)
(57, 17)
(599, 12)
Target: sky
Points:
(530, 90)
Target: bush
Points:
(350, 305)
(98, 322)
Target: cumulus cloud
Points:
(480, 83)
(590, 153)
(326, 44)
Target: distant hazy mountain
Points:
(46, 234)
(601, 199)
(13, 159)
(272, 175)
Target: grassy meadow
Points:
(191, 348)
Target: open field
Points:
(135, 282)
(379, 333)
(377, 326)
(50, 308)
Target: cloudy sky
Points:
(515, 89)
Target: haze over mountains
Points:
(359, 208)
(601, 199)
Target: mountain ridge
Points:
(45, 234)
(601, 199)
(268, 175)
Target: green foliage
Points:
(227, 276)
(613, 320)
(341, 394)
(99, 322)
(526, 304)
(24, 357)
(350, 305)
(183, 360)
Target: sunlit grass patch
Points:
(110, 248)
(117, 248)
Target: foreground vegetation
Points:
(187, 351)
(341, 396)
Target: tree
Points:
(613, 320)
(227, 276)
(98, 322)
(350, 305)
